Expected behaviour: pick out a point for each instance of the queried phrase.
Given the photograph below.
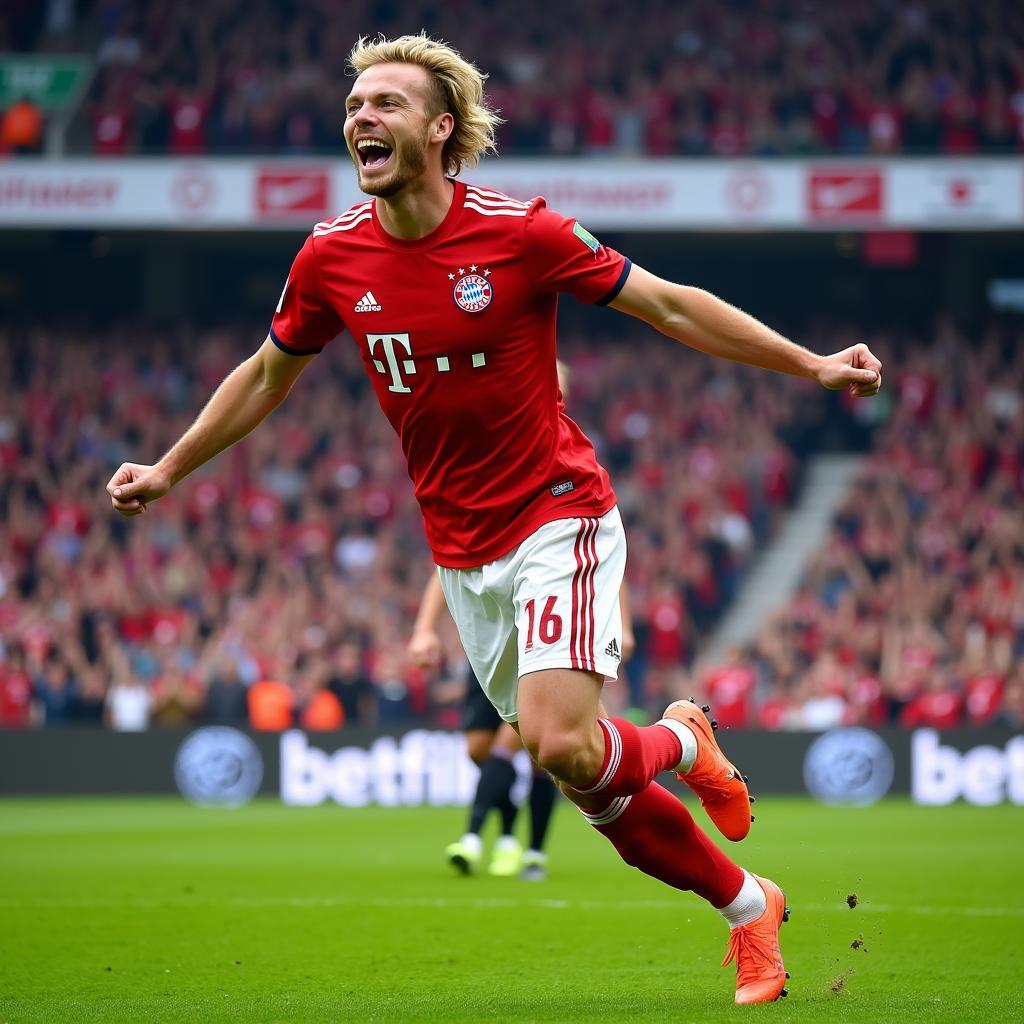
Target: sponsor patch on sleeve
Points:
(585, 237)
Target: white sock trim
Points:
(686, 739)
(749, 905)
(611, 813)
(613, 746)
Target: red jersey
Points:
(457, 334)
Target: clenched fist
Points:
(132, 487)
(855, 367)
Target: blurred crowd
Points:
(912, 613)
(751, 77)
(278, 585)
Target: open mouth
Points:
(373, 152)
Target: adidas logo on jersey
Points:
(612, 650)
(368, 304)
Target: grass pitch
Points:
(152, 910)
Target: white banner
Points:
(606, 195)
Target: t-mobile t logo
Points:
(387, 342)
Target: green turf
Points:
(151, 910)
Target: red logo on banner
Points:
(848, 194)
(960, 191)
(283, 193)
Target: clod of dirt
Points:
(839, 983)
(851, 900)
(858, 943)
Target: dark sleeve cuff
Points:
(617, 287)
(302, 351)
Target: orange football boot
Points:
(718, 783)
(760, 973)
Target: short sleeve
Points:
(564, 256)
(304, 321)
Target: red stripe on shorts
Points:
(593, 596)
(576, 595)
(586, 602)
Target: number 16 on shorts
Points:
(550, 623)
(567, 595)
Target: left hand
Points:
(855, 367)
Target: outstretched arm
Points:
(704, 322)
(244, 399)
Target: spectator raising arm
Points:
(244, 399)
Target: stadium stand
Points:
(305, 555)
(766, 78)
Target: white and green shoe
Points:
(507, 858)
(535, 866)
(465, 855)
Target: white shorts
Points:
(552, 602)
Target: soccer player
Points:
(450, 293)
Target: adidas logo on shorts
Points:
(612, 650)
(367, 304)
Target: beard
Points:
(410, 161)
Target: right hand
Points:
(424, 649)
(132, 487)
(856, 368)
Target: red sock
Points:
(633, 756)
(653, 831)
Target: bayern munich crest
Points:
(473, 291)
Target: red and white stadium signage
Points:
(845, 195)
(966, 194)
(604, 194)
(289, 193)
(40, 196)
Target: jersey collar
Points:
(414, 244)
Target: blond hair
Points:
(457, 86)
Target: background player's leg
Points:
(478, 744)
(493, 791)
(506, 745)
(465, 854)
(497, 777)
(491, 744)
(542, 804)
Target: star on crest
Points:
(472, 269)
